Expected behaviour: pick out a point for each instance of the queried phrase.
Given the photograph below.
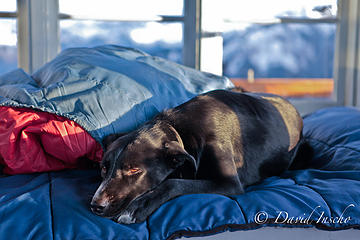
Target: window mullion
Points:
(38, 32)
(192, 33)
(346, 53)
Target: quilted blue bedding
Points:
(55, 205)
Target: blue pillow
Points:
(334, 135)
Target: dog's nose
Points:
(97, 209)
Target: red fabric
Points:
(33, 141)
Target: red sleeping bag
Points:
(34, 141)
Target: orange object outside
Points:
(289, 87)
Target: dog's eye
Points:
(133, 171)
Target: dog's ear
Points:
(110, 139)
(178, 156)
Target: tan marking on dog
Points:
(291, 117)
(101, 196)
(118, 173)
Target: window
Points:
(8, 40)
(124, 23)
(280, 46)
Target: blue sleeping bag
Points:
(106, 89)
(55, 205)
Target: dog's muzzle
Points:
(97, 208)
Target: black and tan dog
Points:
(218, 142)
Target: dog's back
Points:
(257, 134)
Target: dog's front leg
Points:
(145, 205)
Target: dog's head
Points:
(136, 163)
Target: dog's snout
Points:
(98, 207)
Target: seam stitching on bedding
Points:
(241, 209)
(330, 145)
(312, 189)
(51, 206)
(148, 227)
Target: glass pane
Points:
(8, 50)
(8, 5)
(280, 50)
(262, 54)
(121, 8)
(287, 59)
(233, 14)
(159, 39)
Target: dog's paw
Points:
(125, 218)
(140, 215)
